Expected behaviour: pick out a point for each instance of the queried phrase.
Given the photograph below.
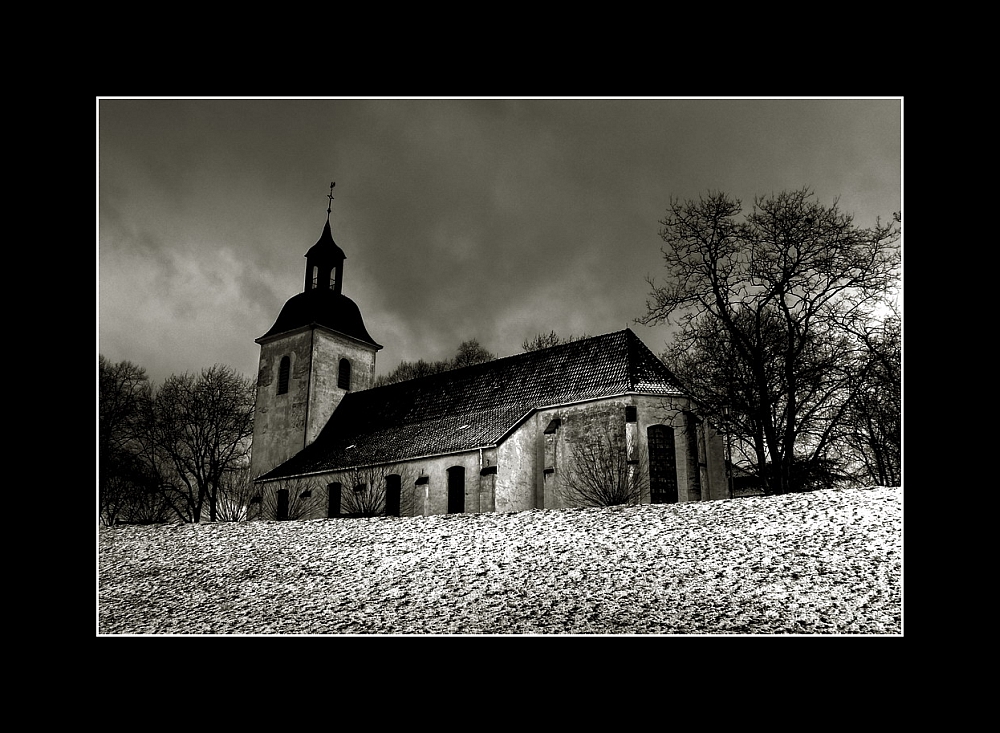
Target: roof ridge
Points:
(525, 355)
(640, 355)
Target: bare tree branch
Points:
(769, 307)
(602, 473)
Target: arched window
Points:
(662, 465)
(283, 369)
(456, 490)
(333, 278)
(315, 277)
(344, 375)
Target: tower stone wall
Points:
(321, 333)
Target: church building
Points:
(531, 431)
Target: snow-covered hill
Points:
(828, 562)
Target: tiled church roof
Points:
(476, 406)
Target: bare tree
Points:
(201, 428)
(130, 493)
(547, 341)
(375, 491)
(239, 498)
(371, 491)
(123, 388)
(605, 470)
(772, 306)
(411, 370)
(872, 432)
(469, 352)
(293, 498)
(128, 487)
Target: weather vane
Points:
(330, 206)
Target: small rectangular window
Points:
(344, 375)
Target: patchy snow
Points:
(827, 562)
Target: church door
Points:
(662, 465)
(456, 490)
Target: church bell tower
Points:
(316, 352)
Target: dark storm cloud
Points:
(487, 219)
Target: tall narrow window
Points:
(315, 277)
(393, 492)
(333, 500)
(283, 369)
(662, 465)
(694, 436)
(344, 376)
(456, 490)
(550, 445)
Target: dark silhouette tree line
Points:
(166, 453)
(548, 340)
(469, 352)
(128, 486)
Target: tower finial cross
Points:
(330, 206)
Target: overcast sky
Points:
(494, 219)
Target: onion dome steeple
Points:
(321, 302)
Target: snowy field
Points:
(823, 563)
